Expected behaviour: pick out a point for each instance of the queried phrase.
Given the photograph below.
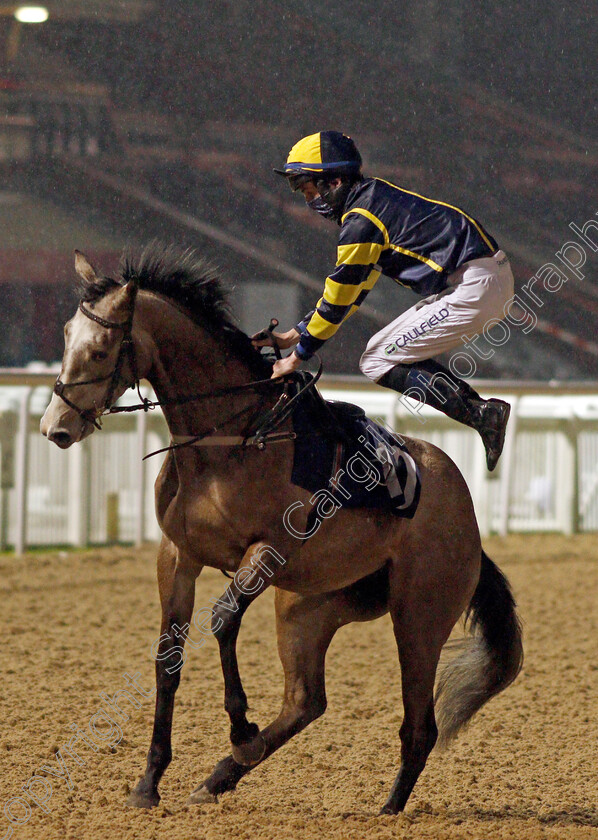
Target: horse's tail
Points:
(490, 658)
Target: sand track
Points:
(75, 623)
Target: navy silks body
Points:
(388, 230)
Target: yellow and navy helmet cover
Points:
(322, 152)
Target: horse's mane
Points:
(188, 279)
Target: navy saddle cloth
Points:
(356, 461)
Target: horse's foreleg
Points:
(177, 590)
(305, 627)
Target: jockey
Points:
(437, 250)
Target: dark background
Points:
(490, 107)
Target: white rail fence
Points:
(100, 491)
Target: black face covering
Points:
(334, 197)
(322, 207)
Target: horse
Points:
(221, 502)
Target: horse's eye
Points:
(98, 356)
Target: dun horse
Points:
(222, 505)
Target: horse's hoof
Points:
(143, 799)
(249, 753)
(202, 796)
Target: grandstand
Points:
(117, 128)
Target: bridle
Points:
(267, 425)
(125, 351)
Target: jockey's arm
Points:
(355, 273)
(344, 292)
(306, 339)
(360, 245)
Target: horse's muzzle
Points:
(57, 433)
(61, 438)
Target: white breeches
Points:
(478, 292)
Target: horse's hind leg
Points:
(256, 572)
(423, 615)
(305, 627)
(418, 731)
(177, 592)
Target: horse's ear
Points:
(131, 287)
(84, 268)
(125, 300)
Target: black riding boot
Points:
(433, 384)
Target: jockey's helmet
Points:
(321, 154)
(322, 158)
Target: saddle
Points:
(357, 462)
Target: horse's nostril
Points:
(61, 439)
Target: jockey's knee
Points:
(370, 366)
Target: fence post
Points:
(8, 433)
(508, 461)
(480, 491)
(78, 509)
(568, 494)
(141, 428)
(21, 467)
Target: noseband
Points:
(125, 351)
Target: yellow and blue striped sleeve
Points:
(360, 245)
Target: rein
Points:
(265, 433)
